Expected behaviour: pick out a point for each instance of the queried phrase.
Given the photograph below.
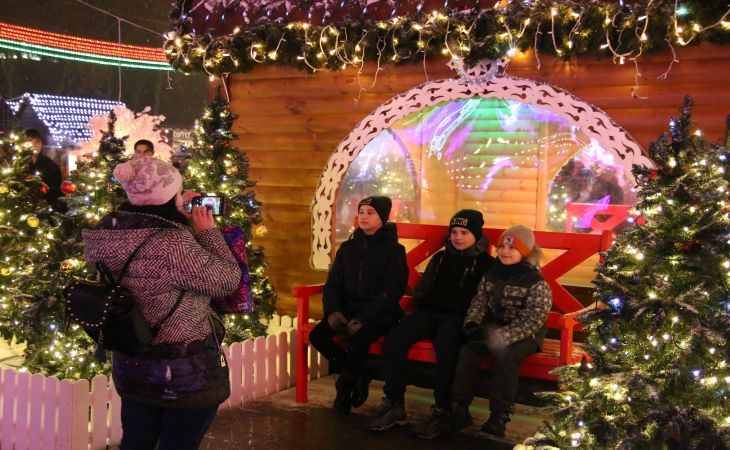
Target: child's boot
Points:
(344, 386)
(496, 425)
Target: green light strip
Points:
(82, 57)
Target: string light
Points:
(456, 31)
(62, 41)
(33, 41)
(65, 117)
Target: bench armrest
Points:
(567, 324)
(570, 317)
(302, 293)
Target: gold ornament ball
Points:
(67, 265)
(261, 230)
(232, 170)
(33, 221)
(5, 271)
(4, 188)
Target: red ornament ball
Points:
(68, 187)
(44, 188)
(652, 175)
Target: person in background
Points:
(143, 147)
(49, 171)
(507, 316)
(442, 298)
(361, 295)
(170, 393)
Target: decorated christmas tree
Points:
(658, 377)
(217, 167)
(38, 260)
(92, 190)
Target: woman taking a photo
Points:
(171, 392)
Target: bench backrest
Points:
(577, 248)
(613, 216)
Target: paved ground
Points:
(277, 422)
(10, 355)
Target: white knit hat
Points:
(148, 180)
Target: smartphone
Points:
(214, 203)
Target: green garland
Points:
(566, 30)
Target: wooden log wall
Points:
(290, 121)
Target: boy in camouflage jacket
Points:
(507, 316)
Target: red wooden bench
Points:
(555, 353)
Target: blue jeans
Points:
(179, 429)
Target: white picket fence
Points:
(39, 412)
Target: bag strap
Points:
(171, 312)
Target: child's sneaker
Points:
(438, 424)
(388, 415)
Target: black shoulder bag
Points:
(108, 312)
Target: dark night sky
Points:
(182, 104)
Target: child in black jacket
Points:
(361, 295)
(442, 298)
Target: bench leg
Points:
(302, 371)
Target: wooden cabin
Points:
(519, 141)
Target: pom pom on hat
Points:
(148, 180)
(124, 173)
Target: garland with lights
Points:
(39, 42)
(40, 257)
(659, 373)
(565, 29)
(218, 168)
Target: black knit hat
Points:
(380, 204)
(470, 219)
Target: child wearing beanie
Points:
(365, 283)
(508, 317)
(442, 298)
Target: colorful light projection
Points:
(505, 158)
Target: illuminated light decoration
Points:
(270, 21)
(65, 117)
(33, 41)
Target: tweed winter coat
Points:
(514, 308)
(368, 278)
(182, 370)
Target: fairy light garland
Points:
(621, 32)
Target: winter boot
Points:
(460, 417)
(361, 389)
(344, 387)
(496, 425)
(438, 424)
(388, 415)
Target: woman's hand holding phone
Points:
(202, 219)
